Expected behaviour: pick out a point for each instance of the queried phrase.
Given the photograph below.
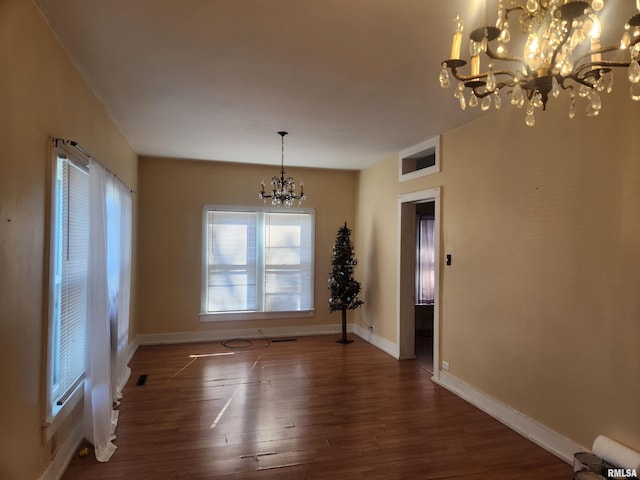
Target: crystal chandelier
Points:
(561, 51)
(283, 190)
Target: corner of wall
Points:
(377, 341)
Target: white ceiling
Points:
(353, 81)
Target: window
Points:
(419, 160)
(425, 271)
(257, 261)
(69, 276)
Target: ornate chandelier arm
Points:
(475, 81)
(580, 76)
(601, 50)
(484, 93)
(472, 78)
(603, 63)
(507, 58)
(601, 67)
(516, 6)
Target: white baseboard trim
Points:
(64, 455)
(131, 349)
(377, 341)
(529, 428)
(218, 335)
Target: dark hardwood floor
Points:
(424, 350)
(304, 409)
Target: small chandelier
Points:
(283, 190)
(562, 51)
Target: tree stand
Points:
(344, 338)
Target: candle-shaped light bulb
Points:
(531, 50)
(596, 56)
(596, 28)
(456, 42)
(475, 65)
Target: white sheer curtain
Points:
(119, 279)
(108, 316)
(425, 273)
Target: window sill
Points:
(235, 316)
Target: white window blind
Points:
(69, 287)
(287, 262)
(257, 260)
(231, 247)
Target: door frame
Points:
(405, 332)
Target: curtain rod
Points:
(77, 146)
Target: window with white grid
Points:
(257, 260)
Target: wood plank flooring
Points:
(303, 409)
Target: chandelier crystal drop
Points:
(283, 190)
(560, 50)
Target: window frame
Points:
(406, 157)
(58, 408)
(206, 316)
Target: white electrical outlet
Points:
(445, 366)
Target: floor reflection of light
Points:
(215, 422)
(202, 355)
(197, 356)
(235, 391)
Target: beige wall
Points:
(377, 247)
(171, 196)
(41, 95)
(541, 306)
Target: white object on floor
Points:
(616, 453)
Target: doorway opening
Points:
(419, 278)
(424, 283)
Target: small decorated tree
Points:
(345, 290)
